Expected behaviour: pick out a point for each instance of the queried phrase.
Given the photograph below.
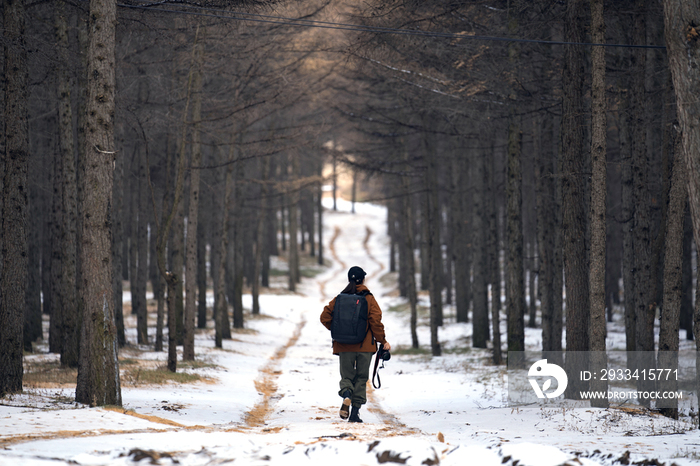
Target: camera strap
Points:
(378, 384)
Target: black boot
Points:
(355, 415)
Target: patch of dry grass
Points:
(48, 373)
(40, 373)
(140, 375)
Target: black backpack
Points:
(349, 324)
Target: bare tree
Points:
(193, 212)
(681, 20)
(573, 194)
(13, 271)
(70, 317)
(431, 219)
(293, 260)
(515, 289)
(98, 369)
(673, 279)
(596, 283)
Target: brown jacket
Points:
(375, 328)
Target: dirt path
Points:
(267, 378)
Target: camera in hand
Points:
(383, 354)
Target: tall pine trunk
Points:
(493, 260)
(70, 328)
(681, 20)
(15, 204)
(319, 209)
(293, 257)
(98, 369)
(238, 234)
(673, 280)
(221, 322)
(193, 211)
(645, 308)
(573, 195)
(515, 287)
(139, 281)
(480, 257)
(406, 223)
(431, 217)
(596, 282)
(260, 237)
(461, 206)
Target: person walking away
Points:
(355, 358)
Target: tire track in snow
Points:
(393, 425)
(266, 383)
(365, 244)
(338, 260)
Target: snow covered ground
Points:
(272, 396)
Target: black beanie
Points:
(356, 274)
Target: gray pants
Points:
(354, 374)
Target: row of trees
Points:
(539, 155)
(140, 132)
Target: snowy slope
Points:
(274, 400)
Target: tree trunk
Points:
(319, 209)
(139, 281)
(238, 228)
(596, 283)
(627, 223)
(673, 280)
(431, 217)
(461, 206)
(645, 308)
(573, 192)
(202, 238)
(681, 20)
(394, 240)
(159, 286)
(293, 259)
(546, 230)
(687, 294)
(221, 311)
(15, 204)
(493, 267)
(70, 331)
(335, 182)
(117, 248)
(479, 235)
(32, 313)
(133, 229)
(409, 260)
(193, 211)
(177, 264)
(98, 369)
(531, 282)
(55, 234)
(515, 288)
(260, 237)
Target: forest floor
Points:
(270, 395)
